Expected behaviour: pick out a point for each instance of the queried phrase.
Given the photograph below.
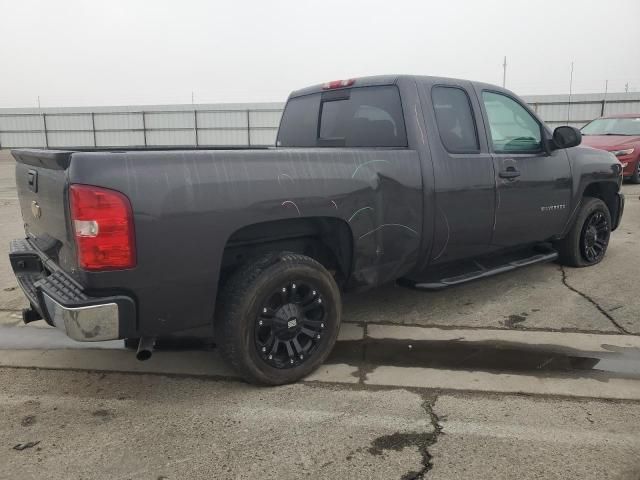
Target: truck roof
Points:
(386, 80)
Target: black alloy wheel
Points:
(278, 317)
(595, 237)
(290, 324)
(586, 242)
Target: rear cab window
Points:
(455, 120)
(354, 117)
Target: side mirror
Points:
(566, 137)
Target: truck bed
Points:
(188, 205)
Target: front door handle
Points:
(509, 173)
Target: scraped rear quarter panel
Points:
(187, 204)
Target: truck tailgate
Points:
(41, 180)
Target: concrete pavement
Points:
(510, 437)
(121, 426)
(116, 426)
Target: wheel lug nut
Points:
(322, 325)
(301, 357)
(260, 323)
(264, 310)
(318, 337)
(293, 285)
(313, 293)
(319, 300)
(270, 357)
(292, 361)
(264, 349)
(284, 289)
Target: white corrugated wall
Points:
(235, 124)
(254, 124)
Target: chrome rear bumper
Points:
(62, 302)
(92, 323)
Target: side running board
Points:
(479, 269)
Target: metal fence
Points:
(580, 109)
(155, 128)
(227, 125)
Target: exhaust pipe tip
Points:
(145, 348)
(143, 355)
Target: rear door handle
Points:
(510, 173)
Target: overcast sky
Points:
(116, 52)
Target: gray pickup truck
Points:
(427, 181)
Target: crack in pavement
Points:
(593, 302)
(427, 441)
(421, 440)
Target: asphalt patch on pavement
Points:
(490, 356)
(512, 321)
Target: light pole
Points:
(504, 72)
(570, 92)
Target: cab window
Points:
(512, 128)
(454, 117)
(355, 117)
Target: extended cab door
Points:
(533, 187)
(463, 171)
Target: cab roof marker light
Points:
(339, 84)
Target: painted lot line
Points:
(587, 365)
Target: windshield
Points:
(612, 126)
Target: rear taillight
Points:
(103, 228)
(338, 84)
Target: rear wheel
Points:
(588, 239)
(278, 318)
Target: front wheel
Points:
(587, 241)
(278, 318)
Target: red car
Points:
(620, 135)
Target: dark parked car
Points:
(429, 181)
(620, 135)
